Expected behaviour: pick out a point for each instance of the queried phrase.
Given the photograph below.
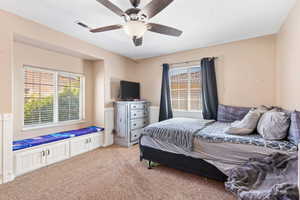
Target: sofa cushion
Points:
(231, 113)
(273, 125)
(294, 131)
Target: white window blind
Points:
(51, 97)
(68, 98)
(185, 86)
(39, 97)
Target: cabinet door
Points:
(121, 121)
(57, 152)
(29, 160)
(79, 145)
(96, 141)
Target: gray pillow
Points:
(231, 113)
(248, 124)
(263, 109)
(273, 125)
(294, 132)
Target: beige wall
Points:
(6, 43)
(245, 71)
(99, 91)
(288, 61)
(114, 74)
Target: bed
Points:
(212, 154)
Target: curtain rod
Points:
(190, 61)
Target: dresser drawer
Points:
(137, 106)
(138, 123)
(135, 134)
(138, 114)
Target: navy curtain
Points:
(165, 110)
(209, 89)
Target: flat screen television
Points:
(129, 90)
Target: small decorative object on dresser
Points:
(130, 119)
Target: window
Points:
(185, 86)
(51, 97)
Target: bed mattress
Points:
(221, 150)
(215, 133)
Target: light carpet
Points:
(111, 173)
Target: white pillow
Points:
(247, 125)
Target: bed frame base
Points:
(181, 162)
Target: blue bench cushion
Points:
(17, 145)
(26, 143)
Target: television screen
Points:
(129, 90)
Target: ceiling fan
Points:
(136, 20)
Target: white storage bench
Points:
(34, 153)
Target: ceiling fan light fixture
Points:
(135, 28)
(136, 20)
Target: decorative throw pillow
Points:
(294, 132)
(263, 109)
(273, 125)
(248, 124)
(231, 113)
(288, 112)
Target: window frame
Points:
(189, 89)
(55, 122)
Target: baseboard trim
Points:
(108, 144)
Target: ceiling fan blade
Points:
(135, 3)
(162, 29)
(106, 28)
(137, 41)
(155, 6)
(112, 7)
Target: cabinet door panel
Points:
(97, 140)
(79, 145)
(57, 152)
(29, 160)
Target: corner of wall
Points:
(288, 61)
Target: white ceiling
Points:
(204, 22)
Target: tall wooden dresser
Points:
(130, 119)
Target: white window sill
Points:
(59, 124)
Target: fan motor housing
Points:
(135, 3)
(135, 14)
